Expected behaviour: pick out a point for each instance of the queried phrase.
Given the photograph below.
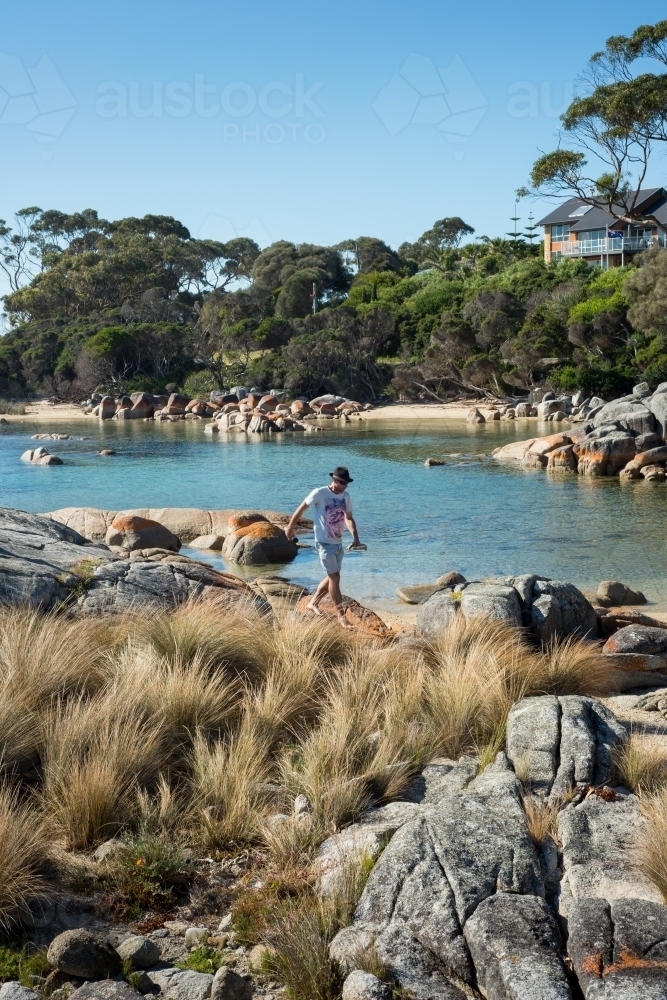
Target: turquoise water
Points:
(473, 514)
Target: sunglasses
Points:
(341, 482)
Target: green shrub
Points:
(8, 406)
(199, 384)
(203, 959)
(17, 964)
(151, 872)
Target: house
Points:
(576, 229)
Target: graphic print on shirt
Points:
(334, 517)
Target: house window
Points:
(560, 233)
(592, 234)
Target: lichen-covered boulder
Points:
(637, 639)
(604, 451)
(129, 531)
(562, 459)
(360, 618)
(254, 541)
(493, 601)
(613, 593)
(657, 404)
(618, 948)
(41, 562)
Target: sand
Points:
(43, 411)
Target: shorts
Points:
(331, 556)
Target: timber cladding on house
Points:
(605, 238)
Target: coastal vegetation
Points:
(236, 719)
(138, 304)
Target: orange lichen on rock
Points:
(132, 522)
(594, 964)
(243, 519)
(258, 529)
(361, 618)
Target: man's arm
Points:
(351, 525)
(294, 520)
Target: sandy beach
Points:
(41, 410)
(44, 411)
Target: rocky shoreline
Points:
(624, 438)
(510, 878)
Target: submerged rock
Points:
(129, 532)
(254, 541)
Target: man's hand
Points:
(290, 530)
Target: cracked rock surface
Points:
(462, 902)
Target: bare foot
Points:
(344, 623)
(314, 608)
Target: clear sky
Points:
(306, 121)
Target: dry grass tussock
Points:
(641, 764)
(651, 848)
(26, 869)
(205, 721)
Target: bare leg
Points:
(322, 589)
(337, 598)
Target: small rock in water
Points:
(614, 593)
(449, 580)
(434, 461)
(418, 593)
(107, 451)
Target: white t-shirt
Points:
(329, 509)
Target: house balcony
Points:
(614, 244)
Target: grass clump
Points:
(651, 847)
(187, 730)
(26, 967)
(541, 818)
(300, 935)
(641, 764)
(8, 406)
(203, 959)
(151, 872)
(26, 864)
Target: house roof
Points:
(599, 218)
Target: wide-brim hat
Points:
(340, 472)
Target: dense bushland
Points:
(139, 304)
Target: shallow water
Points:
(473, 514)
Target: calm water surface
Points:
(473, 514)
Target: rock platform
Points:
(464, 901)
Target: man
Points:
(332, 508)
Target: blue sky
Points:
(294, 120)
